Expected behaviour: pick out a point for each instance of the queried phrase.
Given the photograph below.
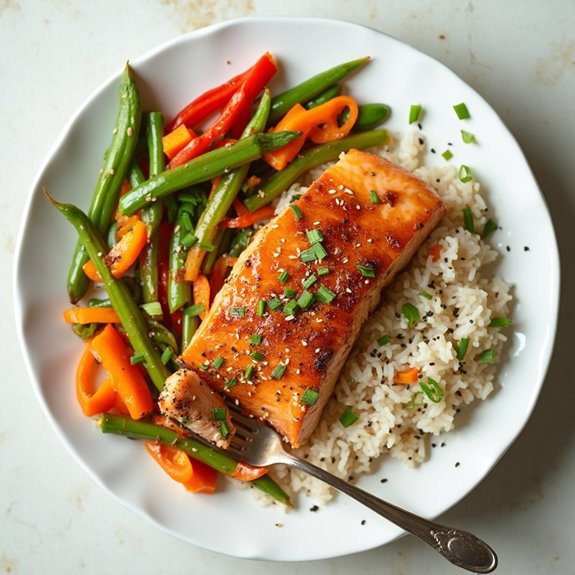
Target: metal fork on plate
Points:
(258, 445)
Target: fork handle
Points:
(459, 547)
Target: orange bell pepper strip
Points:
(245, 472)
(93, 400)
(254, 82)
(201, 293)
(94, 314)
(249, 219)
(204, 478)
(127, 379)
(406, 376)
(173, 461)
(219, 271)
(320, 124)
(124, 253)
(177, 140)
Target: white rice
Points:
(464, 298)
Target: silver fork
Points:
(260, 446)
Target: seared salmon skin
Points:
(283, 324)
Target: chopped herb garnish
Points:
(432, 390)
(447, 155)
(348, 417)
(500, 322)
(153, 308)
(425, 294)
(218, 362)
(309, 397)
(256, 339)
(283, 277)
(296, 211)
(305, 299)
(238, 311)
(319, 251)
(415, 401)
(383, 340)
(257, 355)
(289, 292)
(462, 111)
(249, 372)
(195, 309)
(230, 382)
(468, 222)
(325, 295)
(219, 413)
(322, 271)
(308, 255)
(166, 355)
(206, 246)
(274, 303)
(309, 281)
(189, 240)
(374, 198)
(489, 227)
(414, 113)
(411, 313)
(279, 371)
(366, 272)
(224, 429)
(486, 356)
(291, 307)
(314, 236)
(461, 348)
(137, 358)
(203, 367)
(261, 309)
(464, 173)
(467, 137)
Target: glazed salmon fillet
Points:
(282, 326)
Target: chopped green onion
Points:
(309, 397)
(468, 137)
(195, 309)
(383, 340)
(314, 236)
(447, 155)
(219, 413)
(348, 417)
(322, 271)
(374, 198)
(319, 251)
(186, 221)
(486, 356)
(462, 111)
(461, 348)
(296, 211)
(325, 295)
(257, 355)
(308, 255)
(468, 222)
(309, 281)
(153, 308)
(231, 382)
(489, 227)
(415, 401)
(283, 277)
(414, 113)
(291, 307)
(256, 339)
(166, 355)
(206, 246)
(432, 390)
(305, 299)
(464, 173)
(261, 309)
(425, 294)
(411, 313)
(218, 362)
(238, 311)
(137, 358)
(279, 371)
(224, 429)
(189, 240)
(249, 372)
(274, 303)
(203, 367)
(289, 292)
(366, 272)
(500, 322)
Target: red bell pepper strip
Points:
(247, 220)
(255, 81)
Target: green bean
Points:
(127, 427)
(241, 241)
(161, 335)
(312, 158)
(327, 95)
(190, 323)
(312, 87)
(202, 169)
(118, 158)
(179, 290)
(370, 116)
(130, 315)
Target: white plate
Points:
(231, 522)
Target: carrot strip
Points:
(435, 252)
(127, 379)
(406, 376)
(249, 219)
(218, 275)
(177, 140)
(92, 400)
(94, 314)
(201, 293)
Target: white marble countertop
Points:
(519, 55)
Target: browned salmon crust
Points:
(371, 216)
